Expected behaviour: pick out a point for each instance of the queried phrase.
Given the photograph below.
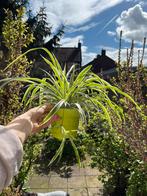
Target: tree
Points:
(16, 36)
(39, 27)
(37, 24)
(54, 42)
(41, 30)
(12, 5)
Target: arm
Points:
(12, 138)
(11, 153)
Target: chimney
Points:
(79, 45)
(103, 52)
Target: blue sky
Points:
(97, 23)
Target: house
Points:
(65, 55)
(69, 55)
(101, 63)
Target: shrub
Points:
(16, 36)
(122, 154)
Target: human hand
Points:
(31, 122)
(37, 114)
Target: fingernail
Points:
(55, 117)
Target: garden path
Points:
(72, 179)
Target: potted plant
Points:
(72, 94)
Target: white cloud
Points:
(111, 33)
(133, 23)
(135, 1)
(107, 24)
(72, 41)
(141, 2)
(87, 56)
(71, 12)
(82, 28)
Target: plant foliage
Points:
(16, 36)
(120, 153)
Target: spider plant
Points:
(72, 94)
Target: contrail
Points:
(107, 24)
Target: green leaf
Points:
(81, 111)
(58, 152)
(106, 113)
(71, 71)
(76, 151)
(53, 111)
(33, 95)
(27, 92)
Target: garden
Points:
(105, 121)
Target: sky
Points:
(97, 24)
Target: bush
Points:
(121, 153)
(16, 36)
(114, 157)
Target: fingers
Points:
(40, 109)
(38, 127)
(37, 115)
(45, 108)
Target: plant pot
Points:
(69, 122)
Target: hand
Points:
(36, 116)
(31, 122)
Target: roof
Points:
(101, 62)
(68, 54)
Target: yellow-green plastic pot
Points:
(69, 120)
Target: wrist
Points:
(21, 127)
